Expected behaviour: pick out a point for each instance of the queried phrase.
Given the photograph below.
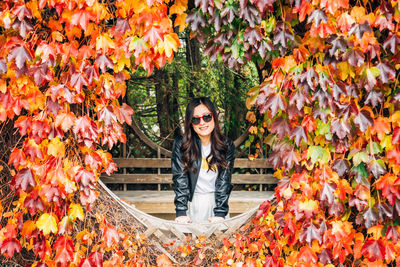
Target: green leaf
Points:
(360, 157)
(270, 25)
(318, 154)
(376, 148)
(360, 168)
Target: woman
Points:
(202, 163)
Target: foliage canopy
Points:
(328, 108)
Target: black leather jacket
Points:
(185, 182)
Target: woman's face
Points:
(203, 129)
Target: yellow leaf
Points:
(253, 129)
(57, 36)
(358, 13)
(251, 117)
(104, 42)
(121, 63)
(376, 231)
(100, 10)
(179, 7)
(56, 148)
(171, 43)
(386, 143)
(180, 21)
(308, 205)
(47, 223)
(289, 63)
(395, 118)
(75, 211)
(344, 70)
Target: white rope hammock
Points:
(164, 228)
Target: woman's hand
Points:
(215, 219)
(182, 219)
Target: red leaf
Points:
(23, 123)
(396, 135)
(9, 246)
(34, 203)
(64, 248)
(124, 114)
(21, 12)
(299, 134)
(275, 103)
(394, 154)
(309, 123)
(103, 61)
(21, 55)
(85, 263)
(93, 160)
(107, 115)
(81, 18)
(290, 158)
(374, 250)
(307, 255)
(392, 233)
(23, 180)
(364, 119)
(153, 35)
(85, 177)
(96, 258)
(280, 127)
(17, 158)
(77, 81)
(110, 235)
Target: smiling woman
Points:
(202, 162)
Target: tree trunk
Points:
(167, 106)
(193, 58)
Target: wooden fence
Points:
(257, 172)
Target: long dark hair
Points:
(190, 149)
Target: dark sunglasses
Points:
(206, 118)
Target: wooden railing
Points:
(239, 201)
(159, 163)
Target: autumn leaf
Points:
(171, 43)
(64, 248)
(163, 261)
(381, 127)
(65, 120)
(318, 154)
(10, 246)
(308, 207)
(110, 235)
(47, 223)
(56, 148)
(21, 56)
(307, 255)
(374, 249)
(17, 158)
(104, 43)
(364, 119)
(23, 180)
(75, 211)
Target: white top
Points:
(207, 178)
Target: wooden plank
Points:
(167, 179)
(162, 201)
(166, 163)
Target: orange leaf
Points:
(381, 127)
(163, 261)
(307, 255)
(66, 120)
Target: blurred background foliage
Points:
(159, 100)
